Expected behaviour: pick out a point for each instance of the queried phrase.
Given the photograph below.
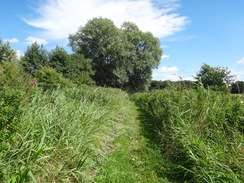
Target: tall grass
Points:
(59, 136)
(200, 133)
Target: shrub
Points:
(84, 79)
(10, 111)
(49, 78)
(13, 76)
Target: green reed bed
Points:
(200, 133)
(61, 135)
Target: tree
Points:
(80, 69)
(121, 58)
(6, 53)
(74, 67)
(34, 58)
(100, 41)
(59, 59)
(142, 54)
(216, 78)
(237, 87)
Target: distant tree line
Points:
(214, 78)
(108, 56)
(103, 55)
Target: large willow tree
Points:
(121, 57)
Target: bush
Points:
(13, 76)
(49, 78)
(10, 111)
(84, 79)
(15, 88)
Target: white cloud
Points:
(171, 73)
(60, 18)
(241, 61)
(171, 77)
(31, 40)
(165, 76)
(165, 56)
(239, 75)
(168, 69)
(13, 40)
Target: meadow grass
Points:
(200, 133)
(134, 159)
(62, 135)
(93, 134)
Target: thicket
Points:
(16, 88)
(237, 87)
(200, 133)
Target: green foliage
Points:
(157, 85)
(13, 76)
(63, 136)
(200, 133)
(84, 79)
(80, 70)
(142, 54)
(216, 78)
(121, 58)
(104, 48)
(10, 112)
(59, 59)
(74, 67)
(6, 53)
(34, 58)
(49, 78)
(237, 87)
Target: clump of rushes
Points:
(201, 133)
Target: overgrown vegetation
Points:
(56, 128)
(61, 135)
(200, 133)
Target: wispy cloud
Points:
(165, 56)
(241, 61)
(60, 18)
(13, 40)
(171, 76)
(168, 69)
(239, 74)
(31, 40)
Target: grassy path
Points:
(83, 135)
(133, 158)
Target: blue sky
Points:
(192, 32)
